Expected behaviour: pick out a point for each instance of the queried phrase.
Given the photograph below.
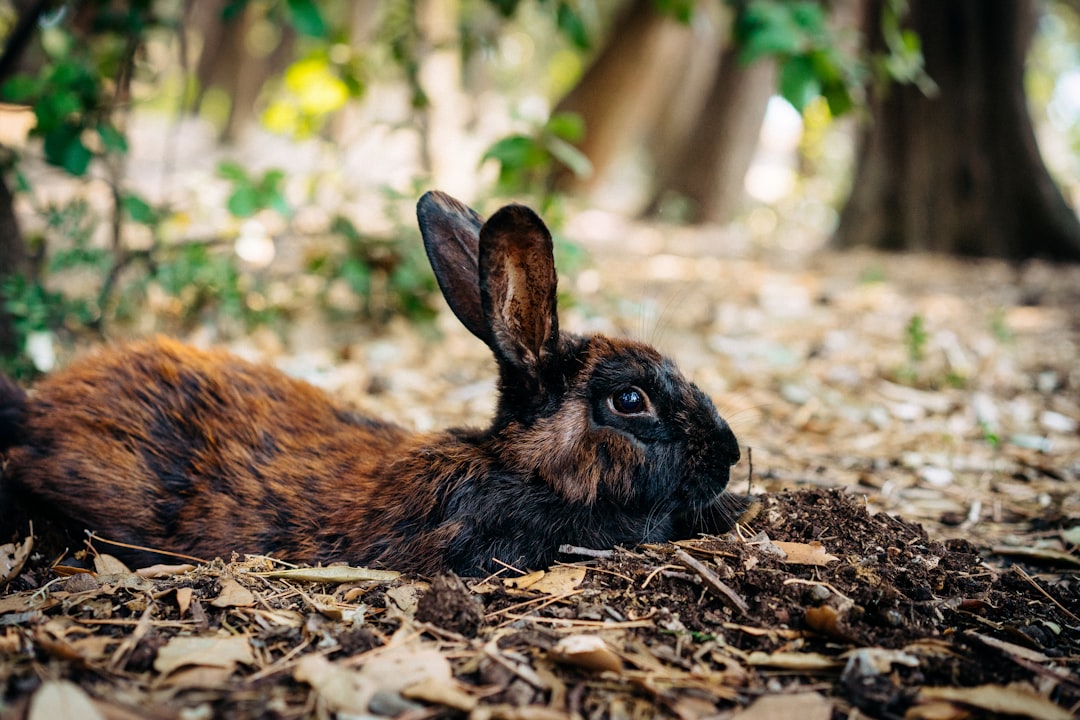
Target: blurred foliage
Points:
(527, 161)
(1053, 89)
(808, 48)
(86, 75)
(93, 63)
(313, 88)
(251, 194)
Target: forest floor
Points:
(910, 425)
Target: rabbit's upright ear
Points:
(517, 289)
(451, 234)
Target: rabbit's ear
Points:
(517, 289)
(451, 234)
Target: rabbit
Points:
(595, 442)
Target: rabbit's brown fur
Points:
(161, 445)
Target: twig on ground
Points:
(712, 580)
(586, 552)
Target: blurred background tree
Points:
(330, 117)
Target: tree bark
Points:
(959, 172)
(226, 62)
(622, 92)
(710, 167)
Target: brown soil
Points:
(892, 613)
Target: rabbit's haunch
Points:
(595, 442)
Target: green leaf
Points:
(276, 201)
(138, 209)
(799, 82)
(22, 183)
(681, 10)
(569, 126)
(54, 108)
(516, 152)
(112, 139)
(572, 26)
(271, 180)
(20, 88)
(233, 10)
(64, 147)
(766, 28)
(506, 8)
(232, 171)
(244, 201)
(306, 18)
(358, 275)
(838, 98)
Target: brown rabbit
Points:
(595, 442)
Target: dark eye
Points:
(630, 401)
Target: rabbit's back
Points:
(162, 445)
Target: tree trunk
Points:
(227, 62)
(959, 172)
(622, 92)
(712, 163)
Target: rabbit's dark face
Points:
(627, 429)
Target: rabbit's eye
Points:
(630, 401)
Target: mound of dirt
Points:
(816, 607)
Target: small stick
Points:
(586, 552)
(1020, 571)
(92, 537)
(749, 469)
(712, 580)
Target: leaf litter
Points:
(913, 554)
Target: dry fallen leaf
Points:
(524, 581)
(224, 651)
(183, 599)
(332, 574)
(586, 651)
(327, 606)
(12, 558)
(105, 564)
(999, 699)
(233, 594)
(62, 700)
(805, 706)
(1036, 554)
(405, 597)
(447, 694)
(200, 677)
(827, 620)
(812, 553)
(792, 660)
(20, 602)
(392, 670)
(160, 571)
(558, 580)
(344, 691)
